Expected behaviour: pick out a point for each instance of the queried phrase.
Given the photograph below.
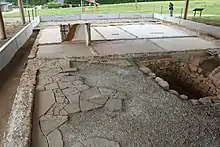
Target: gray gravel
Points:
(151, 116)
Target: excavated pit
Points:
(185, 78)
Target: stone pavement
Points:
(113, 104)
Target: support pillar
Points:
(2, 27)
(20, 5)
(186, 9)
(88, 34)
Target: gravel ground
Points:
(151, 116)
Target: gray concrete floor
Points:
(147, 116)
(133, 37)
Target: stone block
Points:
(145, 70)
(206, 100)
(195, 102)
(174, 92)
(183, 97)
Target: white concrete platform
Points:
(95, 35)
(50, 35)
(113, 33)
(180, 44)
(126, 46)
(152, 31)
(63, 50)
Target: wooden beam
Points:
(186, 9)
(2, 27)
(20, 5)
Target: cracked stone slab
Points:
(114, 104)
(51, 86)
(63, 112)
(57, 108)
(55, 139)
(44, 101)
(70, 91)
(64, 85)
(89, 93)
(73, 106)
(70, 78)
(41, 83)
(38, 139)
(98, 99)
(86, 105)
(60, 99)
(82, 87)
(49, 123)
(97, 142)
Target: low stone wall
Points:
(94, 17)
(199, 27)
(9, 49)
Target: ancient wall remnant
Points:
(185, 78)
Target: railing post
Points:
(181, 13)
(161, 10)
(29, 17)
(33, 13)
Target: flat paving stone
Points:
(38, 139)
(63, 50)
(114, 104)
(123, 47)
(50, 35)
(181, 44)
(89, 93)
(49, 123)
(152, 31)
(95, 35)
(113, 32)
(73, 106)
(44, 100)
(55, 139)
(86, 105)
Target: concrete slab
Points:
(152, 31)
(125, 46)
(113, 32)
(95, 35)
(50, 35)
(63, 50)
(180, 44)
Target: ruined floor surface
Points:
(100, 105)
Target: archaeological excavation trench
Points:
(185, 78)
(9, 81)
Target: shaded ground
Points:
(147, 116)
(9, 80)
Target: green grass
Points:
(211, 7)
(211, 20)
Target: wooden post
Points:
(20, 5)
(186, 9)
(2, 27)
(136, 4)
(32, 13)
(29, 16)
